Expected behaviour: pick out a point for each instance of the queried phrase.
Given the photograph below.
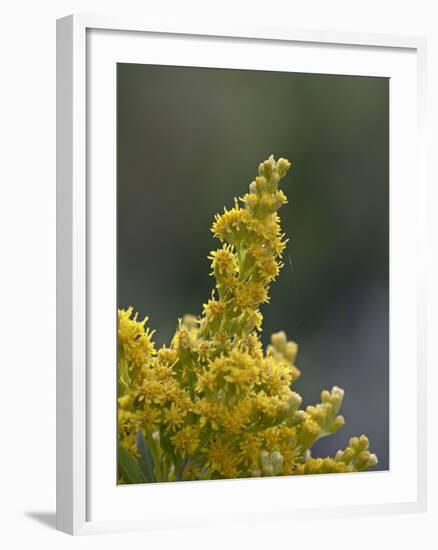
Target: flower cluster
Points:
(214, 404)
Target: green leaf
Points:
(166, 445)
(129, 467)
(146, 460)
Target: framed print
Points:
(241, 291)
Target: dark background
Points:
(190, 139)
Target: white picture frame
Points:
(78, 218)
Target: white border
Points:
(386, 491)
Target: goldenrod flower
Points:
(221, 459)
(186, 441)
(214, 404)
(223, 262)
(134, 340)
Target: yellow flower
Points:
(268, 268)
(134, 341)
(186, 440)
(232, 225)
(149, 418)
(248, 296)
(167, 356)
(254, 320)
(209, 413)
(252, 345)
(271, 406)
(222, 459)
(214, 309)
(207, 381)
(242, 370)
(191, 472)
(307, 433)
(223, 261)
(202, 348)
(215, 404)
(235, 419)
(249, 451)
(173, 416)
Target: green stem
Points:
(155, 455)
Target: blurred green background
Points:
(190, 139)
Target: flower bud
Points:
(190, 321)
(279, 341)
(124, 401)
(252, 200)
(338, 423)
(296, 418)
(347, 455)
(277, 461)
(337, 396)
(326, 396)
(283, 166)
(364, 460)
(299, 417)
(261, 184)
(372, 460)
(291, 351)
(294, 400)
(264, 457)
(268, 469)
(268, 167)
(273, 181)
(339, 457)
(253, 187)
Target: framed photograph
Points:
(241, 275)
